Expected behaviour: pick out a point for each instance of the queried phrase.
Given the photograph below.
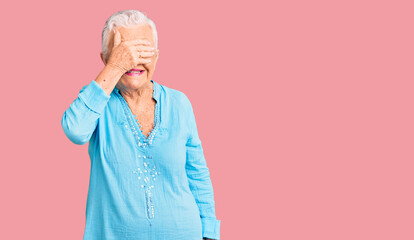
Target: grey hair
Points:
(126, 18)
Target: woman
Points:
(149, 178)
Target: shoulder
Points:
(177, 97)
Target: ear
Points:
(103, 57)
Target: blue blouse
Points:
(155, 187)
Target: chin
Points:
(133, 82)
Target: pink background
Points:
(304, 108)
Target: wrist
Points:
(116, 69)
(108, 78)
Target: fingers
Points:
(141, 57)
(146, 60)
(143, 60)
(145, 51)
(143, 48)
(146, 54)
(138, 41)
(117, 38)
(129, 53)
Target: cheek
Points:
(150, 66)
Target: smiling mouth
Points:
(134, 70)
(135, 73)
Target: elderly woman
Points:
(149, 178)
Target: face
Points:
(142, 31)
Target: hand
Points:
(124, 55)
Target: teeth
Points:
(134, 71)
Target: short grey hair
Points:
(126, 18)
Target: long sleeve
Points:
(80, 119)
(199, 180)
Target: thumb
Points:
(117, 38)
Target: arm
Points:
(199, 180)
(80, 119)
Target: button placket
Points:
(147, 177)
(148, 173)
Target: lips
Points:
(134, 73)
(135, 70)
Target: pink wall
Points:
(305, 110)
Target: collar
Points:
(155, 94)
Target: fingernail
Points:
(113, 31)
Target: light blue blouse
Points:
(155, 187)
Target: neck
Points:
(139, 96)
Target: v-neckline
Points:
(135, 125)
(139, 126)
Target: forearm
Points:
(80, 119)
(108, 78)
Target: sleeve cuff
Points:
(211, 228)
(94, 97)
